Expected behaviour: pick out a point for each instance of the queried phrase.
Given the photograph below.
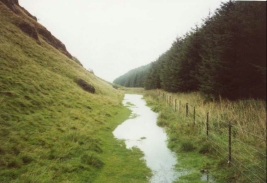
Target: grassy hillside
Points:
(51, 130)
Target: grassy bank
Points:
(51, 129)
(196, 151)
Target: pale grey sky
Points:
(112, 37)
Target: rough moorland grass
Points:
(51, 130)
(248, 119)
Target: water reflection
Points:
(142, 131)
(206, 177)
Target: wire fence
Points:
(250, 161)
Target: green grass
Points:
(196, 151)
(51, 130)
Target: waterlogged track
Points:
(141, 131)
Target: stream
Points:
(141, 131)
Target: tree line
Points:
(133, 78)
(224, 57)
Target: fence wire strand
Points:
(214, 136)
(247, 169)
(218, 146)
(254, 135)
(250, 147)
(242, 172)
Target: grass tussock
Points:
(92, 160)
(189, 134)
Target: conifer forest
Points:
(224, 57)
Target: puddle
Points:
(207, 178)
(141, 131)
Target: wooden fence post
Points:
(186, 109)
(194, 115)
(230, 145)
(175, 104)
(207, 123)
(166, 97)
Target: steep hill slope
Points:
(51, 129)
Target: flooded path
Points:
(141, 131)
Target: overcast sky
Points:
(112, 37)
